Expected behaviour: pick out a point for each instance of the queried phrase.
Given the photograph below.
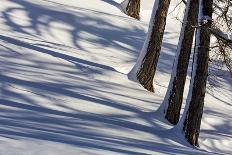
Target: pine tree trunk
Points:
(146, 72)
(133, 8)
(196, 99)
(175, 90)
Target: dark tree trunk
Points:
(180, 67)
(146, 72)
(133, 8)
(200, 70)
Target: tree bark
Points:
(132, 8)
(174, 95)
(146, 72)
(199, 76)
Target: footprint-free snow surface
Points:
(64, 88)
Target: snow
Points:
(124, 5)
(64, 87)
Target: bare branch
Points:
(221, 35)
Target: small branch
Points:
(176, 7)
(184, 2)
(221, 35)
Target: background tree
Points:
(222, 39)
(131, 8)
(145, 67)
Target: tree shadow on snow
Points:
(27, 80)
(107, 34)
(28, 119)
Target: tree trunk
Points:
(146, 72)
(199, 76)
(174, 95)
(132, 8)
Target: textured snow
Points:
(64, 88)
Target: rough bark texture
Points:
(133, 8)
(185, 45)
(145, 74)
(193, 118)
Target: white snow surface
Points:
(64, 88)
(124, 5)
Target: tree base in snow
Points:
(146, 83)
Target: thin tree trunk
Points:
(199, 77)
(133, 8)
(174, 95)
(146, 72)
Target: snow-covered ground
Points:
(64, 87)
